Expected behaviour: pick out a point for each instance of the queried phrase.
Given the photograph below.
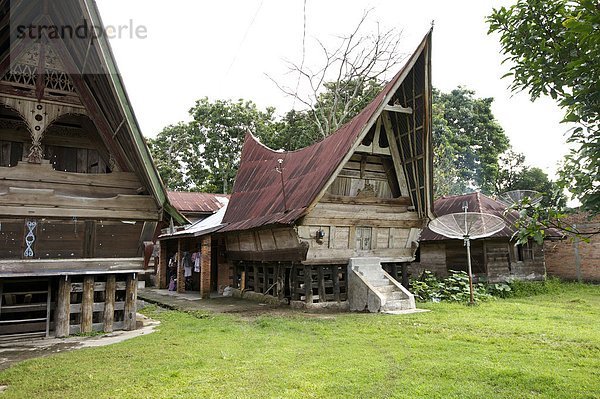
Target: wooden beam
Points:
(55, 267)
(130, 302)
(396, 156)
(63, 306)
(398, 108)
(87, 304)
(308, 293)
(109, 302)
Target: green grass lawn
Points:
(545, 346)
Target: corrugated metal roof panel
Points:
(187, 202)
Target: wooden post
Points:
(180, 275)
(48, 307)
(87, 305)
(322, 297)
(293, 282)
(336, 283)
(130, 302)
(308, 284)
(63, 307)
(405, 281)
(255, 285)
(109, 302)
(205, 266)
(265, 269)
(161, 273)
(280, 279)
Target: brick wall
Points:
(205, 267)
(561, 256)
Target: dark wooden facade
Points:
(80, 200)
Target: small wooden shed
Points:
(494, 259)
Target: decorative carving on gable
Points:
(24, 70)
(367, 192)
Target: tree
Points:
(464, 127)
(168, 152)
(349, 77)
(204, 154)
(553, 47)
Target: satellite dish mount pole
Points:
(468, 245)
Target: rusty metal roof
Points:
(202, 203)
(480, 203)
(258, 199)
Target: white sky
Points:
(223, 49)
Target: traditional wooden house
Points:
(497, 258)
(79, 195)
(295, 219)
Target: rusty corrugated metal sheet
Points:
(186, 202)
(257, 198)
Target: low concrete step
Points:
(399, 304)
(379, 282)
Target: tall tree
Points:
(168, 150)
(204, 154)
(553, 47)
(464, 127)
(350, 73)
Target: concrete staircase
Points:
(371, 288)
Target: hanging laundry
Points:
(197, 259)
(187, 264)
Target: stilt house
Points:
(80, 198)
(295, 219)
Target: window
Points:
(363, 238)
(524, 252)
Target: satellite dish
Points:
(467, 226)
(512, 198)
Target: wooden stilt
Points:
(322, 297)
(336, 283)
(162, 267)
(48, 305)
(308, 293)
(180, 275)
(255, 286)
(87, 304)
(130, 302)
(63, 307)
(109, 303)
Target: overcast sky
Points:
(224, 49)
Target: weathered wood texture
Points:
(34, 176)
(109, 303)
(10, 268)
(311, 284)
(354, 226)
(36, 202)
(63, 306)
(87, 305)
(130, 302)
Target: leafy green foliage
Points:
(500, 290)
(204, 155)
(454, 288)
(553, 48)
(465, 132)
(522, 289)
